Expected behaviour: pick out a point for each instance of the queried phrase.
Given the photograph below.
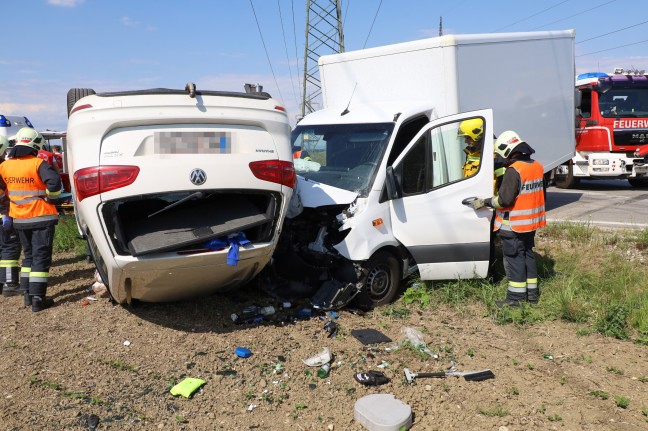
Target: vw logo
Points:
(198, 177)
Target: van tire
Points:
(381, 280)
(566, 181)
(75, 94)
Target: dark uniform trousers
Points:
(9, 255)
(520, 265)
(37, 247)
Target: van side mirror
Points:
(393, 191)
(578, 99)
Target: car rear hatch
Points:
(178, 172)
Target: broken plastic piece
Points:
(323, 357)
(187, 387)
(370, 336)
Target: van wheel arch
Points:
(74, 94)
(381, 279)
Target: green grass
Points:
(66, 236)
(585, 277)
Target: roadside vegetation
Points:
(593, 277)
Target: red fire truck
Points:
(611, 129)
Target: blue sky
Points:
(50, 46)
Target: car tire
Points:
(566, 181)
(75, 94)
(381, 281)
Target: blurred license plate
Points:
(193, 142)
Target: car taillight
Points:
(99, 179)
(275, 171)
(80, 107)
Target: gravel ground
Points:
(84, 360)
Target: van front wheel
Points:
(382, 280)
(75, 94)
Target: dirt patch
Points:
(83, 358)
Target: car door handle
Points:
(468, 201)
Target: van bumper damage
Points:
(306, 262)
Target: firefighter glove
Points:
(478, 203)
(6, 222)
(489, 202)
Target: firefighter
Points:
(298, 153)
(519, 212)
(33, 186)
(473, 133)
(9, 243)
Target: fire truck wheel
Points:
(638, 182)
(381, 282)
(75, 94)
(565, 180)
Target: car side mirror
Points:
(393, 191)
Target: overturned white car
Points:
(179, 193)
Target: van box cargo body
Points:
(527, 79)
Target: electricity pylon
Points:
(323, 36)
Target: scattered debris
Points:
(471, 376)
(127, 343)
(371, 378)
(370, 336)
(324, 357)
(383, 412)
(187, 387)
(415, 338)
(242, 352)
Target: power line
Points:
(576, 14)
(292, 82)
(610, 49)
(266, 52)
(531, 16)
(372, 24)
(615, 31)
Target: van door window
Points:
(456, 151)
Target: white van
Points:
(167, 184)
(382, 194)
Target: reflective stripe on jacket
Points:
(26, 190)
(528, 212)
(471, 166)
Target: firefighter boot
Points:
(512, 299)
(11, 289)
(27, 299)
(40, 303)
(533, 295)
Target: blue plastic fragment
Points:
(333, 314)
(242, 352)
(304, 312)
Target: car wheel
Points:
(565, 180)
(75, 94)
(381, 282)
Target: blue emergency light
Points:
(4, 122)
(28, 122)
(590, 75)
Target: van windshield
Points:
(340, 155)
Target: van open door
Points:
(430, 196)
